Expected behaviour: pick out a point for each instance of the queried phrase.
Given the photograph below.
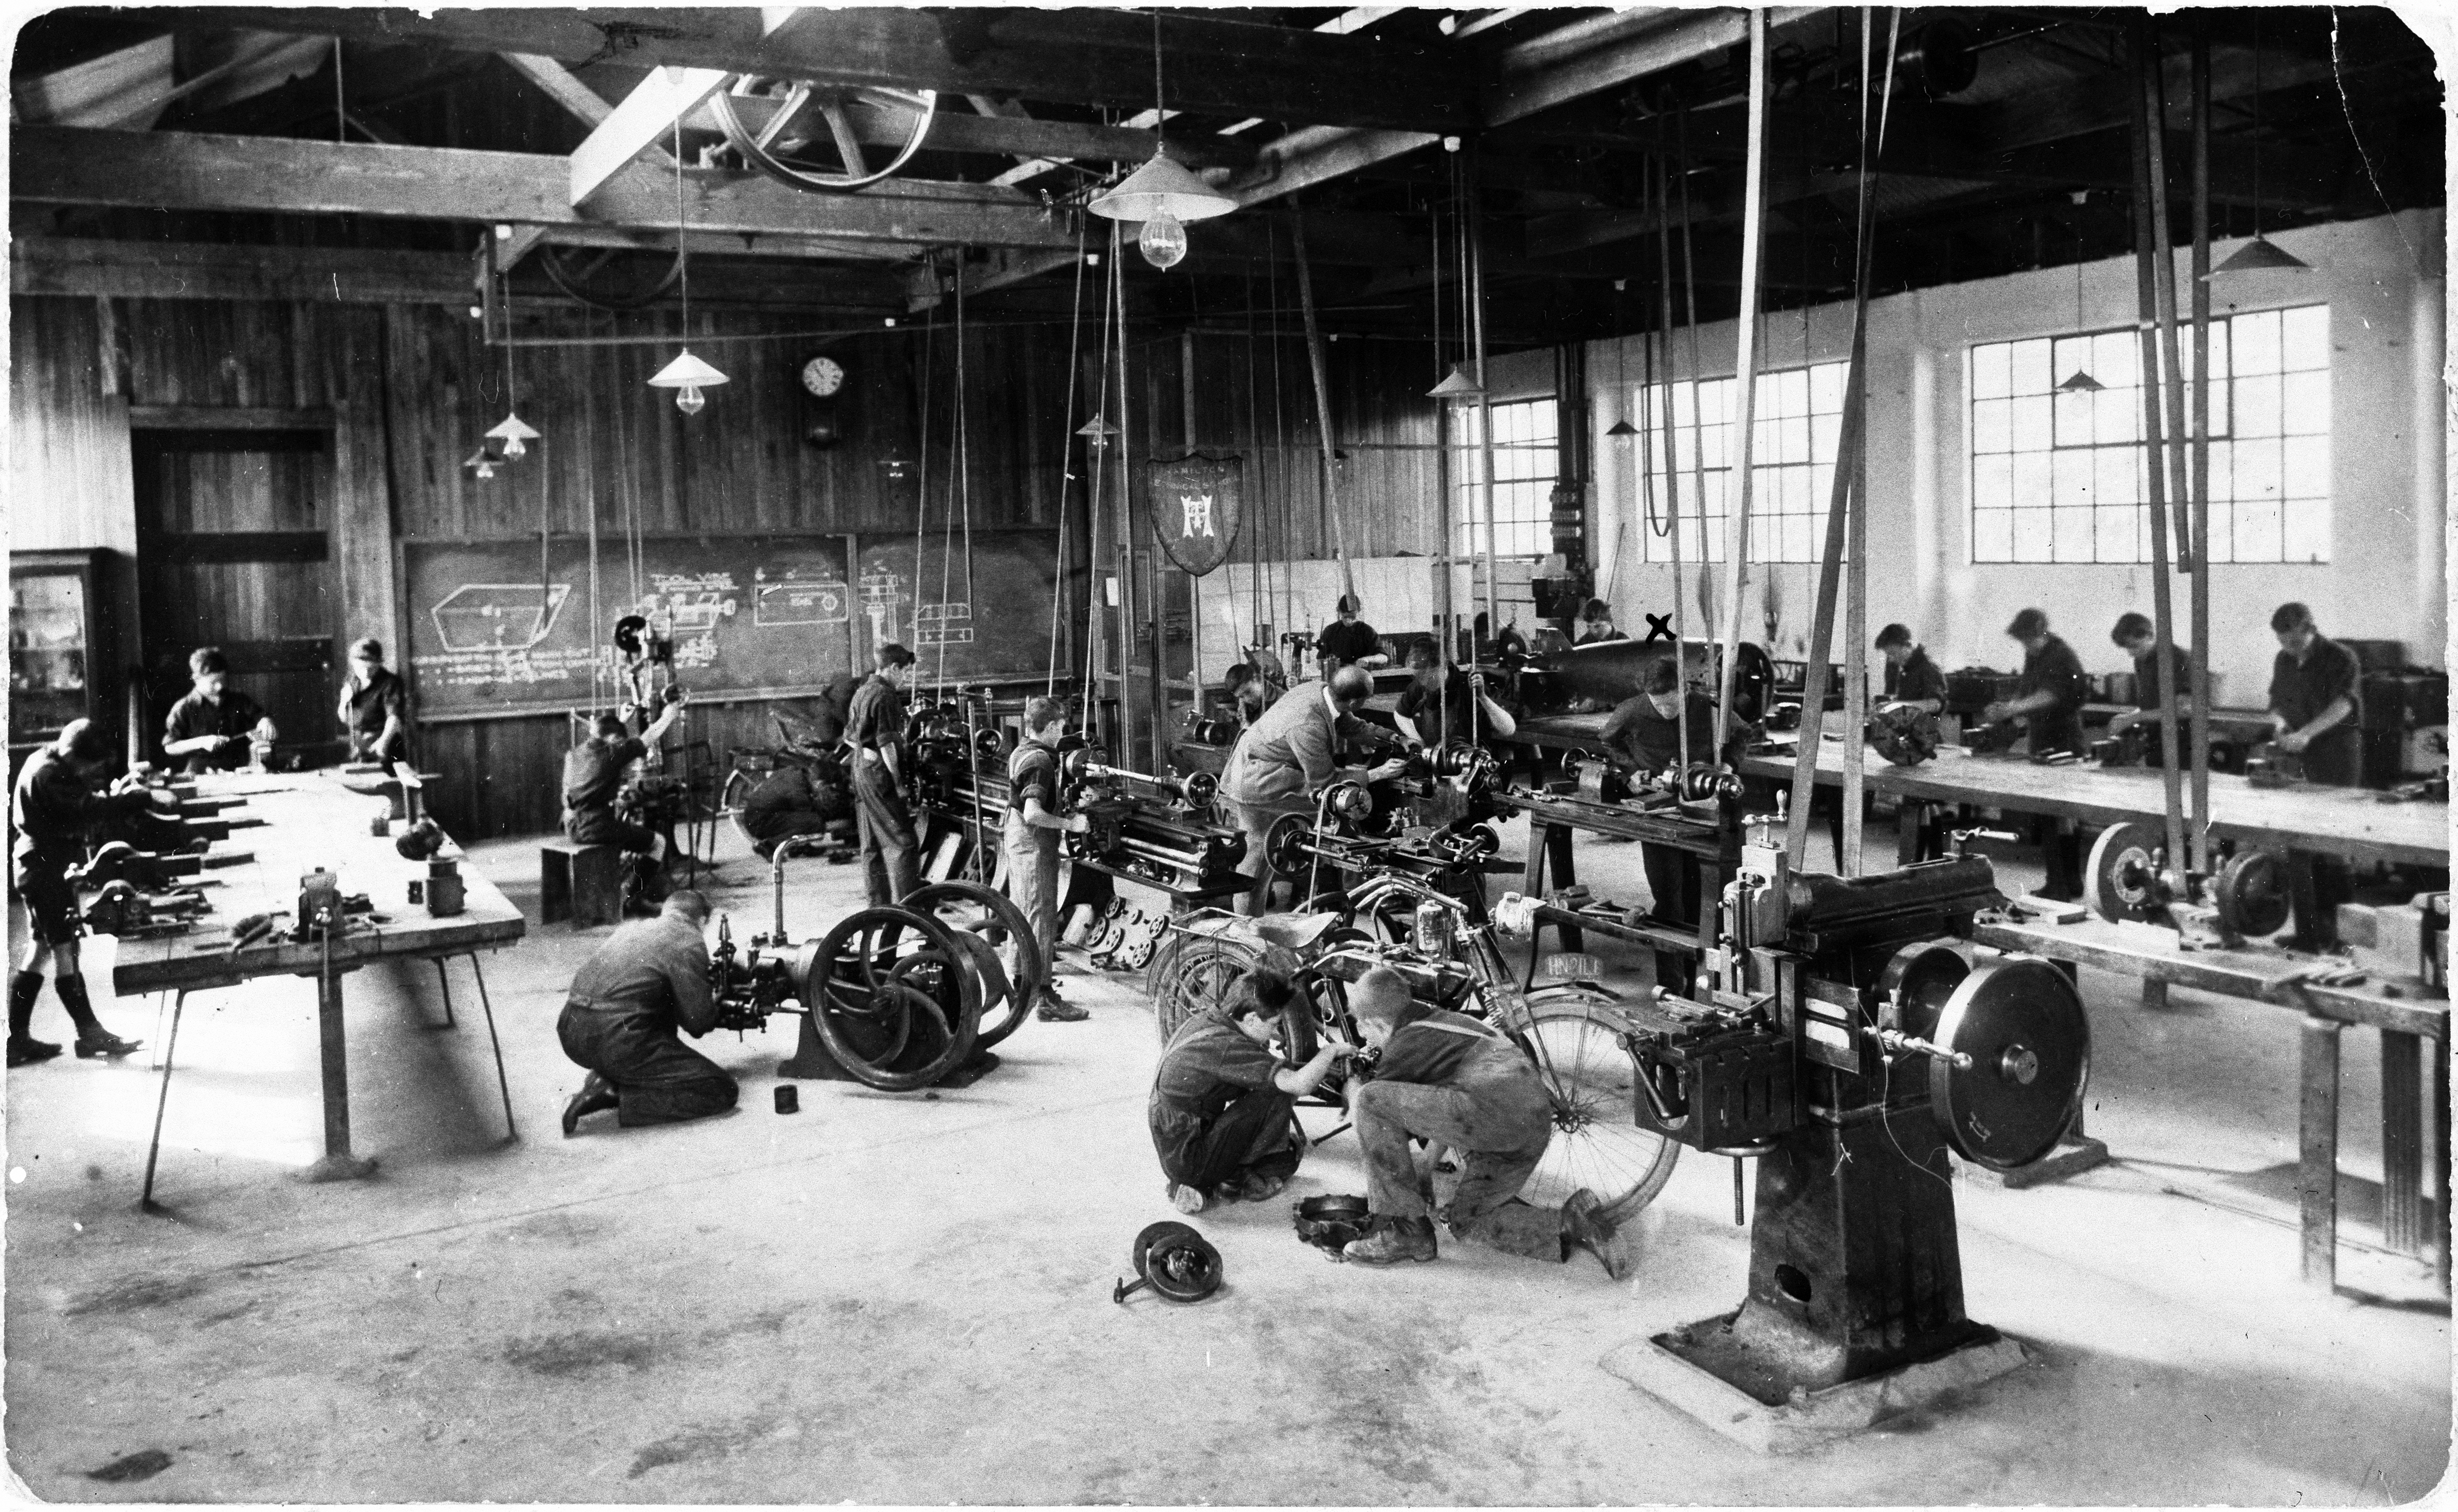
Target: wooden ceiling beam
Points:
(103, 268)
(186, 171)
(1084, 54)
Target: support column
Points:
(2318, 1151)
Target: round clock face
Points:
(823, 375)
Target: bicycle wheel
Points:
(990, 915)
(1194, 972)
(889, 977)
(737, 792)
(1591, 1077)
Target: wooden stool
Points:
(583, 883)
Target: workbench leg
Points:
(1531, 880)
(337, 1163)
(512, 1131)
(445, 982)
(162, 1102)
(2318, 1153)
(1566, 873)
(2402, 1109)
(2155, 994)
(2441, 1161)
(1911, 820)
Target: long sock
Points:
(72, 991)
(23, 989)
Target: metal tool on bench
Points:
(122, 911)
(1844, 1037)
(2130, 878)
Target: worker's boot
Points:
(24, 1049)
(1585, 1226)
(1393, 1240)
(93, 1039)
(596, 1095)
(1056, 1009)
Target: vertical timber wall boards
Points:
(2386, 575)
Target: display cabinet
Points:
(62, 665)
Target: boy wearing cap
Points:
(1349, 643)
(373, 706)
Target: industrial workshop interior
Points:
(1519, 757)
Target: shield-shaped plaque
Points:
(1197, 502)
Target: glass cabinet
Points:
(59, 660)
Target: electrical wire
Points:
(1066, 461)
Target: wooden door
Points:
(233, 550)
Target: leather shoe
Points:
(1584, 1224)
(1056, 1009)
(1393, 1240)
(25, 1051)
(594, 1096)
(110, 1045)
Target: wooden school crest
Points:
(1197, 502)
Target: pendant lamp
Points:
(515, 433)
(1458, 388)
(2261, 255)
(2079, 381)
(1098, 431)
(686, 373)
(483, 461)
(1161, 194)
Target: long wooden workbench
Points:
(310, 821)
(2338, 822)
(2259, 974)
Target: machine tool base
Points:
(2074, 1155)
(811, 1062)
(339, 1167)
(1808, 1419)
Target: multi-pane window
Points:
(1525, 459)
(1798, 418)
(2061, 475)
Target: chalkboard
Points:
(995, 628)
(753, 616)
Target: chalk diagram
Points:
(789, 600)
(943, 624)
(497, 616)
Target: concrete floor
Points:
(906, 1298)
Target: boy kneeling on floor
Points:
(1222, 1109)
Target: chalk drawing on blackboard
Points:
(694, 600)
(943, 624)
(791, 603)
(497, 616)
(879, 600)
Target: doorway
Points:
(234, 549)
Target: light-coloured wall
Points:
(2386, 577)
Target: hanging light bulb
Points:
(690, 375)
(1163, 241)
(2079, 381)
(1097, 431)
(516, 434)
(483, 461)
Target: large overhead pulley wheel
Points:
(2123, 880)
(1592, 1078)
(2251, 891)
(604, 279)
(989, 916)
(805, 134)
(2017, 1056)
(897, 1000)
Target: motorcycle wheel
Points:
(1591, 1077)
(1192, 973)
(989, 915)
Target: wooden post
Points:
(2156, 300)
(1745, 367)
(2402, 1113)
(2318, 1151)
(2198, 556)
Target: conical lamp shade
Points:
(2261, 255)
(1622, 427)
(2079, 381)
(1097, 429)
(1458, 388)
(1162, 187)
(687, 372)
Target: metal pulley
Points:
(1702, 782)
(1461, 847)
(2251, 892)
(2011, 1058)
(2123, 882)
(1905, 736)
(1284, 844)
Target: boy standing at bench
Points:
(1034, 825)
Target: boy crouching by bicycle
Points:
(1223, 1108)
(1459, 1083)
